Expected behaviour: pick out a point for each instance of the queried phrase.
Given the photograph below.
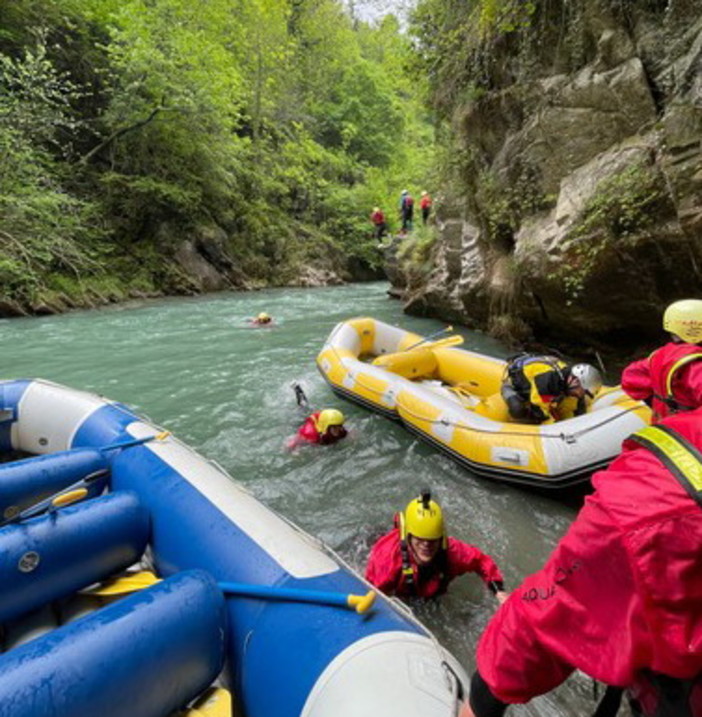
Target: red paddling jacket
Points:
(670, 379)
(622, 593)
(309, 433)
(385, 568)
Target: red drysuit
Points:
(385, 568)
(647, 379)
(621, 593)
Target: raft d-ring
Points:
(28, 562)
(569, 438)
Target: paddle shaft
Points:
(360, 603)
(431, 337)
(296, 594)
(55, 500)
(134, 442)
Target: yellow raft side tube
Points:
(355, 338)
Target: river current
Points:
(196, 367)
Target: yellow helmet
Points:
(329, 417)
(263, 316)
(423, 519)
(684, 319)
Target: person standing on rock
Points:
(406, 210)
(377, 218)
(670, 379)
(425, 206)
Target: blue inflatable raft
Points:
(244, 603)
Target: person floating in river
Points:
(670, 379)
(417, 559)
(544, 389)
(321, 427)
(619, 598)
(263, 319)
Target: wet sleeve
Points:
(464, 558)
(570, 407)
(580, 611)
(384, 568)
(636, 380)
(690, 377)
(535, 398)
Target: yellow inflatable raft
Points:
(451, 398)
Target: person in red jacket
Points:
(425, 206)
(378, 220)
(324, 427)
(417, 559)
(620, 598)
(670, 379)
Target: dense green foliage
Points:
(128, 126)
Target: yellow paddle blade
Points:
(361, 603)
(124, 585)
(214, 702)
(72, 496)
(162, 436)
(442, 343)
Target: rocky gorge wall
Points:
(576, 209)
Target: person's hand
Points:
(466, 710)
(501, 596)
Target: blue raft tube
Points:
(248, 615)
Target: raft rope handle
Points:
(568, 438)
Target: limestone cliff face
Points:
(577, 209)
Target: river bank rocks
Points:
(576, 211)
(189, 262)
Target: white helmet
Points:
(588, 377)
(684, 319)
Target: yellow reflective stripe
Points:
(678, 365)
(683, 459)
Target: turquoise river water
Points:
(195, 367)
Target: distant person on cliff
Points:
(619, 598)
(263, 319)
(406, 211)
(378, 220)
(670, 379)
(544, 389)
(417, 559)
(425, 206)
(323, 427)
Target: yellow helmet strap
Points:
(402, 525)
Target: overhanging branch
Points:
(119, 133)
